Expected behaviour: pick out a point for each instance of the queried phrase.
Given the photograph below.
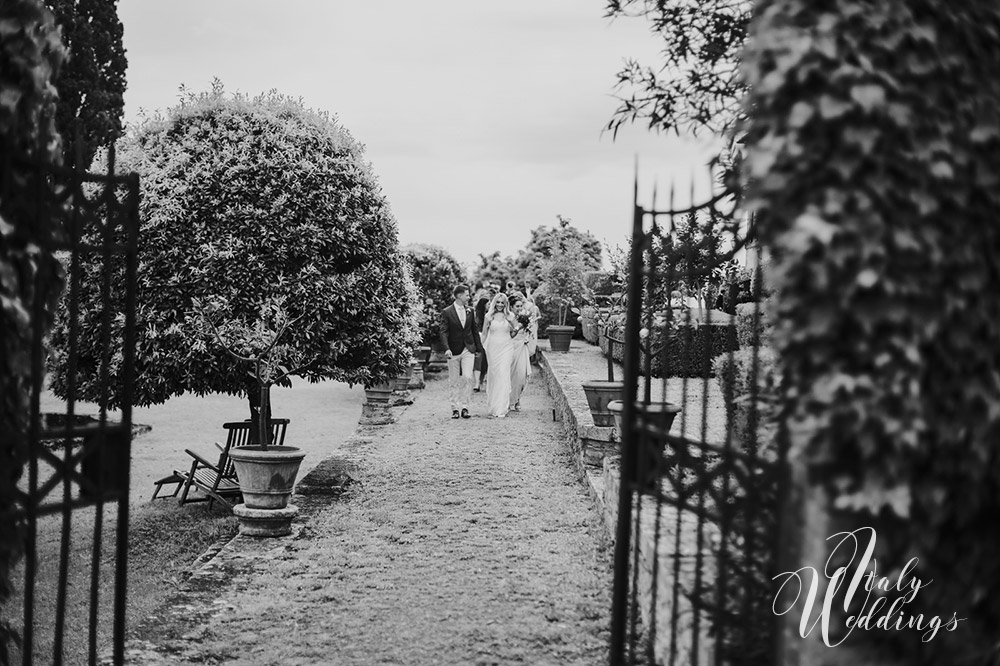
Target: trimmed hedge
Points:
(601, 283)
(588, 325)
(734, 375)
(689, 352)
(592, 320)
(745, 325)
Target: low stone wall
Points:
(675, 559)
(565, 385)
(671, 561)
(811, 521)
(608, 501)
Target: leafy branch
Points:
(257, 344)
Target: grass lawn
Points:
(164, 538)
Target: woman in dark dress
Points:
(480, 367)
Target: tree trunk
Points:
(253, 393)
(264, 432)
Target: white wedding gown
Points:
(520, 366)
(500, 355)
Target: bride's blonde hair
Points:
(501, 297)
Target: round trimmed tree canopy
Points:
(247, 201)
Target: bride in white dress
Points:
(497, 327)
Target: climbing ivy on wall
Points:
(30, 55)
(873, 164)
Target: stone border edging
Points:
(653, 598)
(603, 486)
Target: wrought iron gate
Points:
(76, 461)
(698, 526)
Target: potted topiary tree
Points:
(266, 473)
(435, 272)
(385, 388)
(562, 284)
(413, 330)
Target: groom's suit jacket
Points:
(454, 335)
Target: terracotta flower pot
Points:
(401, 382)
(658, 413)
(379, 394)
(423, 355)
(599, 393)
(560, 337)
(416, 375)
(267, 478)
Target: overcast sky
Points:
(483, 120)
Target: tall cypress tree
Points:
(91, 84)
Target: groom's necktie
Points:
(460, 311)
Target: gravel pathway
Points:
(462, 542)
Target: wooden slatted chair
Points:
(217, 481)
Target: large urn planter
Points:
(267, 476)
(378, 399)
(660, 414)
(416, 374)
(438, 362)
(401, 381)
(600, 392)
(379, 394)
(423, 355)
(560, 337)
(267, 479)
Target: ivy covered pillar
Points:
(31, 277)
(872, 166)
(810, 519)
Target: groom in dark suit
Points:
(460, 337)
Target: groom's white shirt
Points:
(460, 311)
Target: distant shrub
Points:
(588, 324)
(436, 273)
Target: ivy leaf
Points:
(873, 498)
(800, 114)
(807, 229)
(900, 114)
(830, 107)
(984, 133)
(869, 96)
(867, 278)
(941, 169)
(926, 203)
(863, 137)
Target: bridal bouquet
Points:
(524, 319)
